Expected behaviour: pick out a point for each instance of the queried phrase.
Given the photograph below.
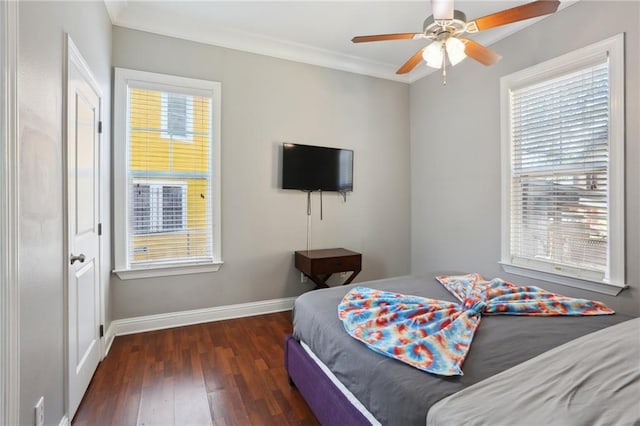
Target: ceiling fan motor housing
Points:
(437, 29)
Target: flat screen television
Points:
(316, 168)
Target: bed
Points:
(346, 383)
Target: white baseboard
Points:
(108, 340)
(64, 421)
(125, 326)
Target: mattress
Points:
(397, 394)
(592, 380)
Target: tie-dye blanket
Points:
(435, 335)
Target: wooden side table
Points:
(319, 265)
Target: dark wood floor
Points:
(219, 373)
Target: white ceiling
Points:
(314, 32)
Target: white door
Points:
(83, 172)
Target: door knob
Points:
(79, 257)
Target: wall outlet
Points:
(39, 412)
(303, 277)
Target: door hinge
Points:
(99, 126)
(99, 229)
(101, 330)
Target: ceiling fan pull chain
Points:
(444, 65)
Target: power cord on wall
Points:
(308, 220)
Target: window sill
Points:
(167, 270)
(595, 286)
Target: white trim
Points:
(9, 217)
(125, 78)
(109, 336)
(142, 324)
(281, 49)
(74, 55)
(290, 50)
(596, 286)
(167, 270)
(64, 421)
(114, 8)
(613, 48)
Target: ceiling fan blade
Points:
(480, 53)
(382, 37)
(515, 14)
(411, 63)
(442, 9)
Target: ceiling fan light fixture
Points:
(455, 50)
(432, 54)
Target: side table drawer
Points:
(336, 264)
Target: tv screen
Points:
(313, 168)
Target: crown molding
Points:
(115, 8)
(155, 22)
(276, 48)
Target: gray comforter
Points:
(397, 394)
(592, 380)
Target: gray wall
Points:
(455, 148)
(265, 102)
(453, 213)
(41, 253)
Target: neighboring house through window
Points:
(563, 169)
(177, 116)
(167, 186)
(158, 207)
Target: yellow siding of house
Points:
(170, 245)
(152, 152)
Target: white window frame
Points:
(156, 207)
(161, 82)
(613, 281)
(164, 117)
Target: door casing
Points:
(9, 217)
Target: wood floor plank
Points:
(223, 373)
(156, 401)
(227, 405)
(191, 405)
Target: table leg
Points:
(319, 282)
(351, 277)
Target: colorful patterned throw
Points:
(434, 335)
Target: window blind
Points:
(559, 171)
(168, 177)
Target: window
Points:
(177, 116)
(167, 192)
(563, 169)
(158, 207)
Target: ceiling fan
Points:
(447, 26)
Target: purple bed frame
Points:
(329, 405)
